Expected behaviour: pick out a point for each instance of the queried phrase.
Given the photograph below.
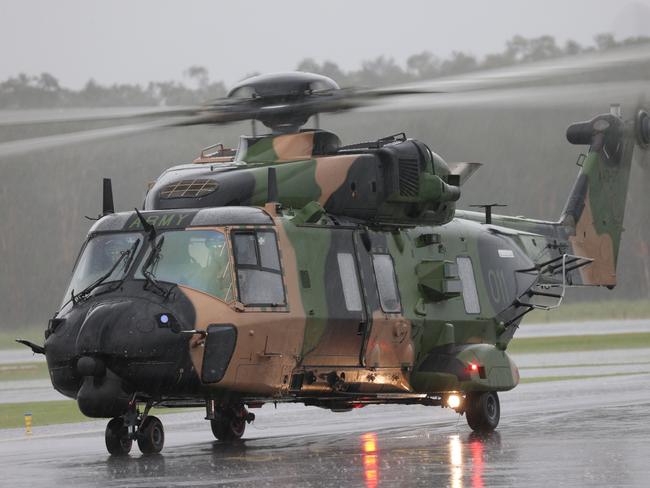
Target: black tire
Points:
(228, 428)
(117, 438)
(151, 436)
(483, 411)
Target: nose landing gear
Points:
(151, 436)
(145, 429)
(117, 437)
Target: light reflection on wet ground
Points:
(370, 459)
(568, 433)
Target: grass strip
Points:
(43, 413)
(543, 379)
(24, 371)
(12, 415)
(34, 334)
(580, 343)
(584, 365)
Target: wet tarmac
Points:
(590, 432)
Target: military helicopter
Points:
(297, 269)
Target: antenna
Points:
(107, 197)
(488, 210)
(272, 187)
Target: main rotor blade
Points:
(22, 146)
(16, 118)
(539, 98)
(627, 93)
(570, 79)
(569, 69)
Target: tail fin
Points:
(593, 216)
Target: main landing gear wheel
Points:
(229, 424)
(117, 437)
(151, 436)
(483, 411)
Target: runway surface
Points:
(589, 432)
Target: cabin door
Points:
(387, 338)
(345, 318)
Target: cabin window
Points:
(259, 277)
(349, 281)
(386, 283)
(466, 275)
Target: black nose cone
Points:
(113, 346)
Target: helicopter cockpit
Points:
(230, 264)
(197, 259)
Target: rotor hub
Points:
(284, 101)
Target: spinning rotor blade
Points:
(538, 97)
(565, 80)
(17, 118)
(23, 146)
(565, 70)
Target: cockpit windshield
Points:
(105, 256)
(195, 258)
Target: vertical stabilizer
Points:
(593, 216)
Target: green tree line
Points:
(45, 91)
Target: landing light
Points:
(453, 401)
(164, 319)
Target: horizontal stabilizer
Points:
(36, 349)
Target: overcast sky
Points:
(154, 40)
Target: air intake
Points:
(188, 189)
(409, 177)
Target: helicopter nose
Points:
(126, 331)
(124, 348)
(113, 327)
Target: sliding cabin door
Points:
(344, 322)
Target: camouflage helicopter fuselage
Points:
(347, 278)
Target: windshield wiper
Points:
(153, 258)
(86, 291)
(127, 265)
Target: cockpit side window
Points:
(259, 276)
